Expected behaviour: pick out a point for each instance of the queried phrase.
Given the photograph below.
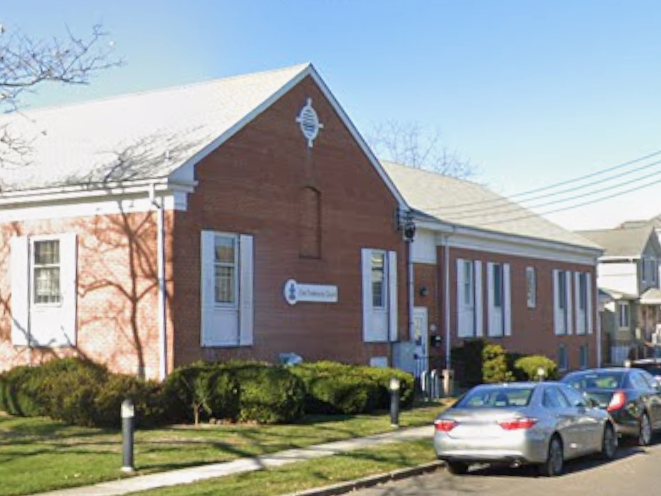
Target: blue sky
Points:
(534, 92)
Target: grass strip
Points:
(310, 474)
(39, 455)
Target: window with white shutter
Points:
(227, 289)
(43, 280)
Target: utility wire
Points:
(489, 204)
(533, 214)
(511, 207)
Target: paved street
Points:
(633, 472)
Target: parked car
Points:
(652, 365)
(541, 423)
(632, 396)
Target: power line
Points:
(533, 214)
(490, 204)
(514, 207)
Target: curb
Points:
(370, 481)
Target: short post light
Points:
(394, 387)
(541, 373)
(128, 429)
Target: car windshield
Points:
(606, 379)
(496, 397)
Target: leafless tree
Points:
(26, 63)
(409, 143)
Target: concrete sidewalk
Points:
(242, 465)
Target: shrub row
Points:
(332, 387)
(478, 361)
(78, 392)
(83, 393)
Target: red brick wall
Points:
(117, 321)
(532, 328)
(252, 185)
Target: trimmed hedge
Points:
(79, 392)
(333, 387)
(528, 367)
(83, 393)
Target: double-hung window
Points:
(225, 268)
(43, 281)
(379, 288)
(227, 289)
(623, 317)
(499, 300)
(562, 303)
(531, 287)
(46, 272)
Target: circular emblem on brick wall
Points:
(308, 120)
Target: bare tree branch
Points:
(26, 63)
(408, 143)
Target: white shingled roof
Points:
(134, 137)
(468, 204)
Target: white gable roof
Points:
(143, 136)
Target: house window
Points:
(225, 268)
(562, 303)
(563, 362)
(46, 272)
(623, 317)
(531, 287)
(378, 279)
(583, 356)
(379, 290)
(497, 285)
(227, 289)
(43, 290)
(468, 284)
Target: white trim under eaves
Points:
(72, 193)
(510, 244)
(89, 207)
(184, 170)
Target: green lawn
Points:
(313, 473)
(39, 455)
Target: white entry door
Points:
(421, 339)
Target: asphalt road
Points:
(634, 471)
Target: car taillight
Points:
(618, 400)
(444, 425)
(518, 423)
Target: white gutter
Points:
(160, 247)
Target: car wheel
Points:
(457, 468)
(609, 443)
(555, 459)
(645, 432)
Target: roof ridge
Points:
(151, 91)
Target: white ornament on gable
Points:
(309, 122)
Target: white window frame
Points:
(222, 324)
(34, 267)
(380, 323)
(562, 303)
(531, 287)
(623, 315)
(469, 298)
(583, 356)
(43, 324)
(234, 265)
(563, 358)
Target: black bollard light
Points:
(394, 386)
(128, 428)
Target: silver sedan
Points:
(541, 423)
